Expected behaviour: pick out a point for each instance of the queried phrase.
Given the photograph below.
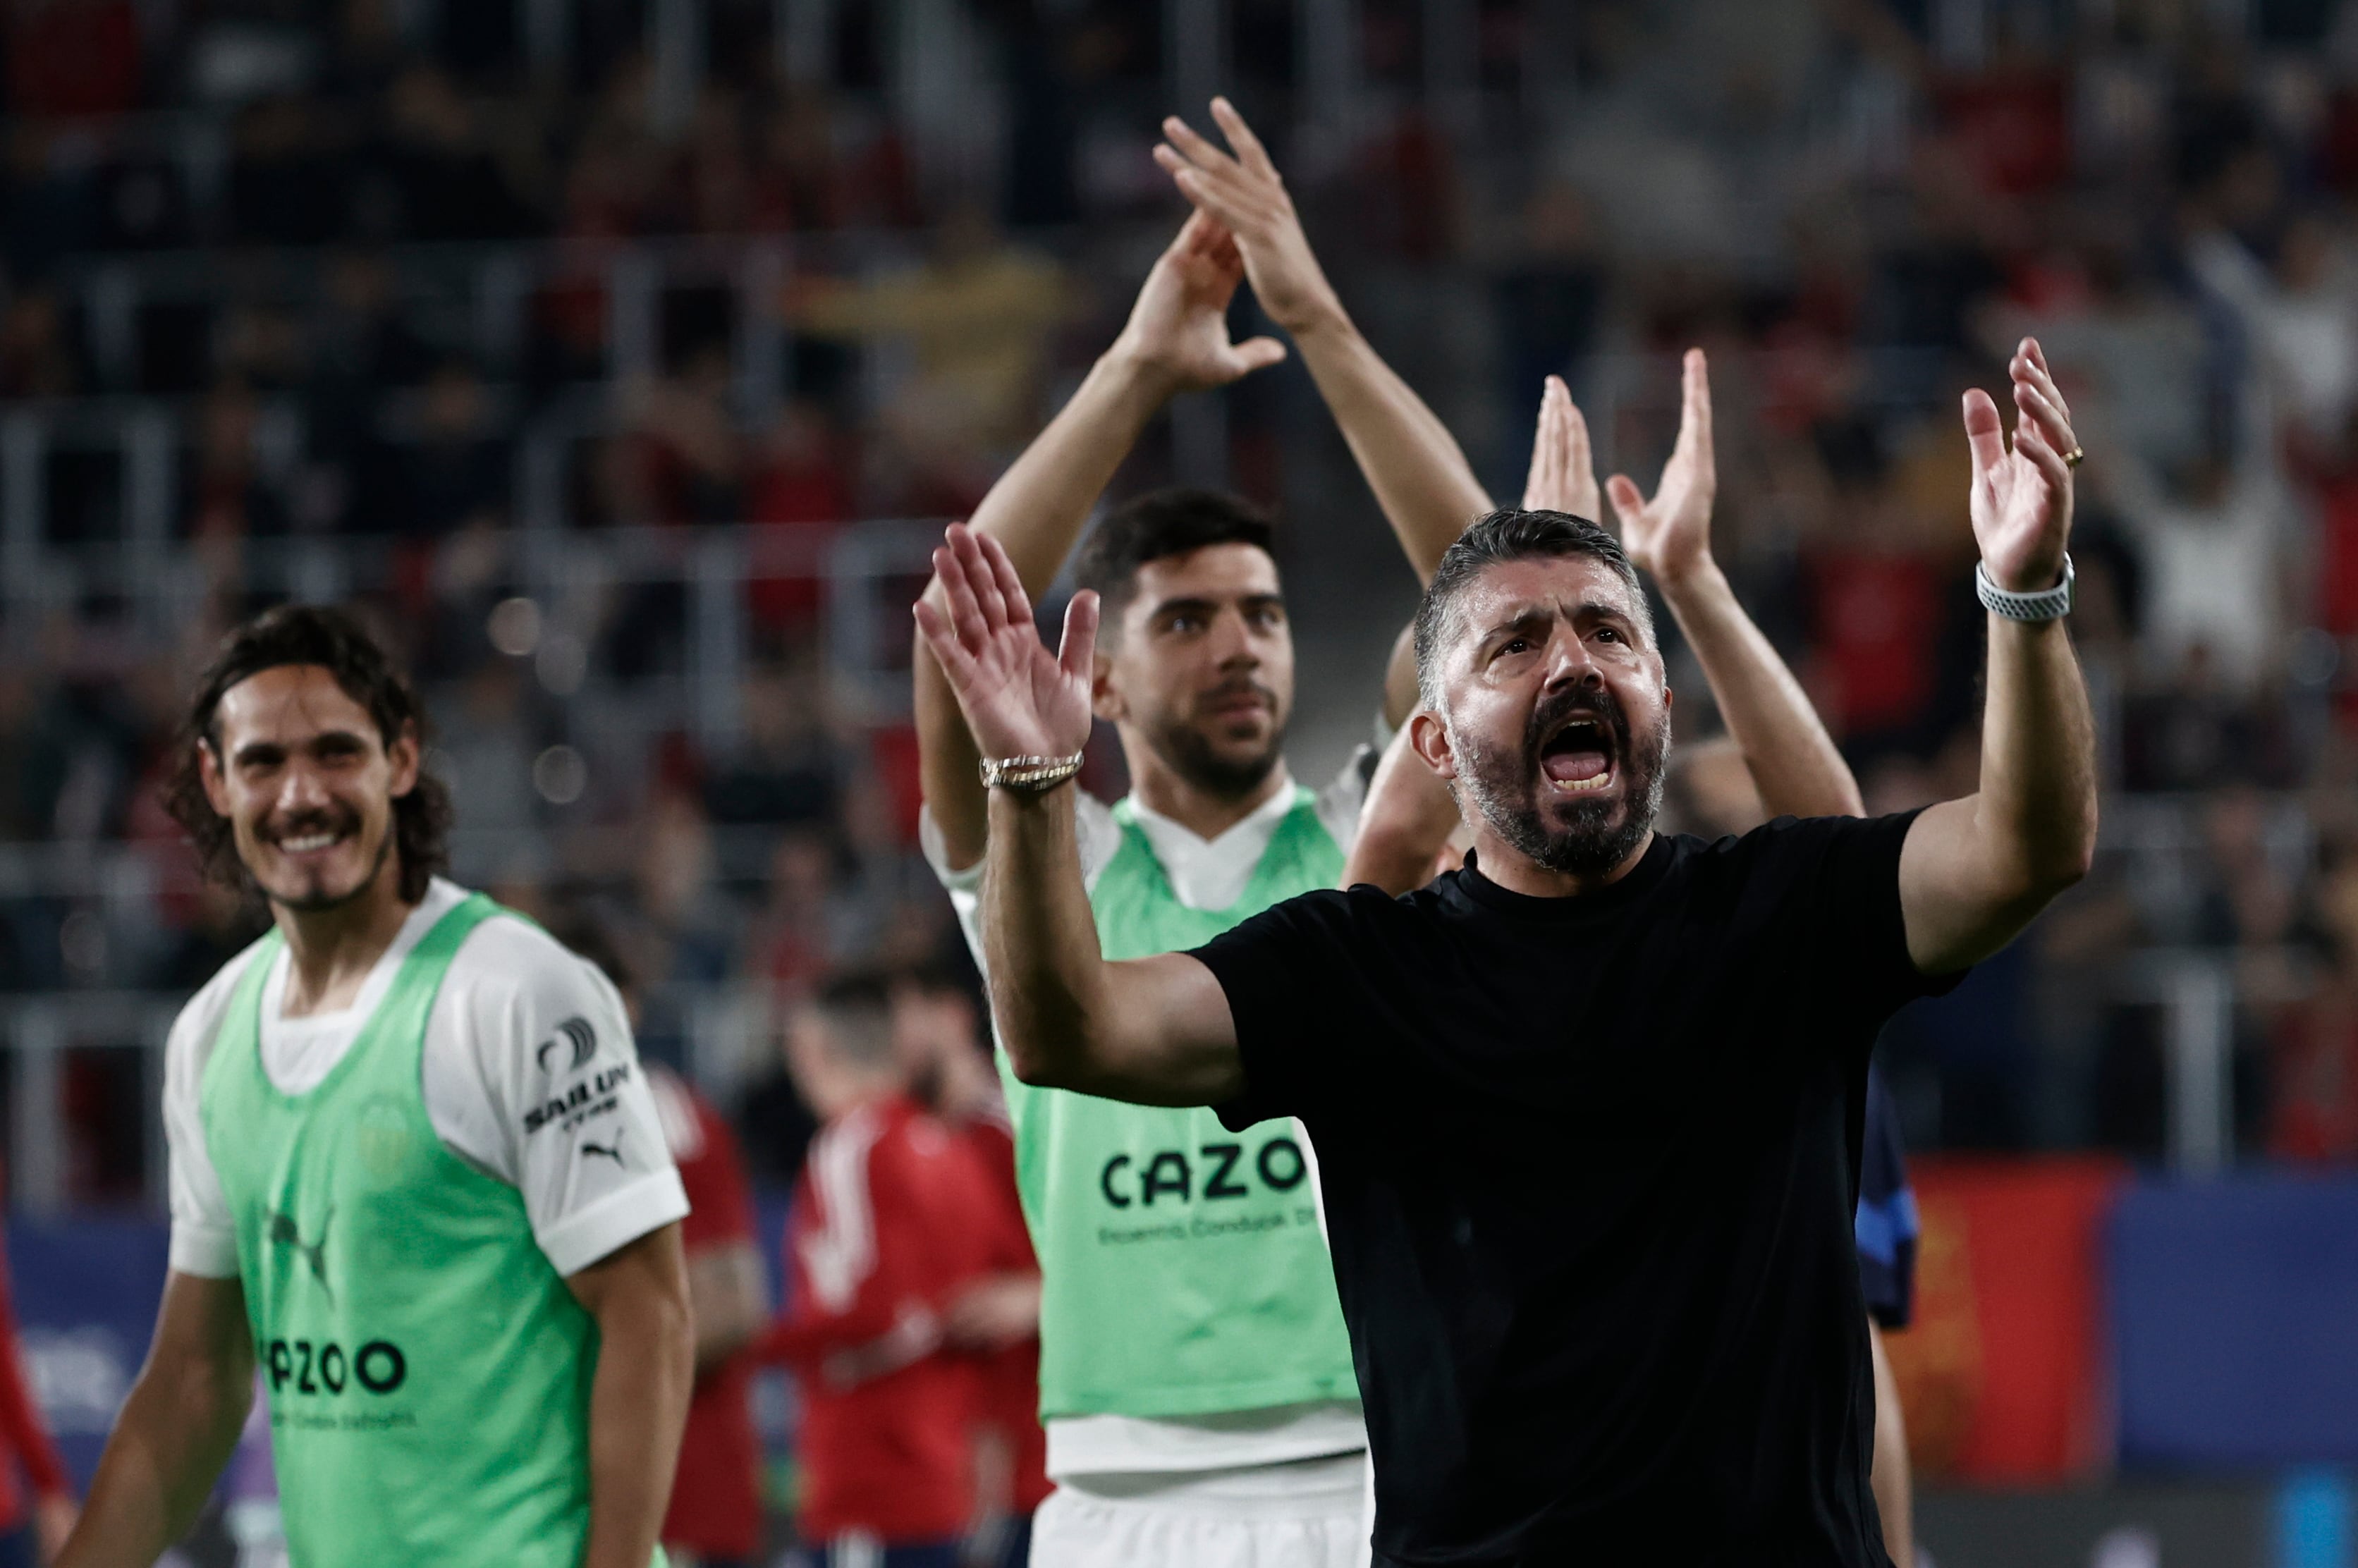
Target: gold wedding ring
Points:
(2074, 458)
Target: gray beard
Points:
(1575, 837)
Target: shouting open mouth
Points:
(1578, 755)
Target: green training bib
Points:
(428, 1372)
(1183, 1266)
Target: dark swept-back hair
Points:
(1506, 535)
(337, 643)
(1160, 524)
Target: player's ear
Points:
(209, 774)
(1104, 696)
(1429, 738)
(406, 756)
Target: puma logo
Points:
(574, 1034)
(612, 1152)
(287, 1233)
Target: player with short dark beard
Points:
(414, 1171)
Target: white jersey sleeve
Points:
(1100, 837)
(531, 1074)
(204, 1233)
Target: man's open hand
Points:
(1178, 330)
(2022, 496)
(1563, 467)
(1018, 698)
(1248, 197)
(1670, 536)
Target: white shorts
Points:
(1312, 1513)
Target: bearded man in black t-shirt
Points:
(1587, 1111)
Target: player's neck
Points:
(1205, 812)
(331, 951)
(1510, 868)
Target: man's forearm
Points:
(1793, 761)
(1419, 473)
(1036, 510)
(638, 1406)
(2036, 815)
(1040, 937)
(1888, 1474)
(176, 1432)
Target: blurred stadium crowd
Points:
(614, 353)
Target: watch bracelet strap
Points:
(2047, 604)
(1029, 772)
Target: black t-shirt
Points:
(1589, 1166)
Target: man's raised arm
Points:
(1794, 763)
(1976, 872)
(1152, 1031)
(1176, 341)
(1420, 476)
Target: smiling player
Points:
(416, 1175)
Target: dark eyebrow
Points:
(274, 750)
(1201, 606)
(1531, 615)
(1540, 615)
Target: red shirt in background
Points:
(890, 1221)
(1011, 1380)
(716, 1498)
(1875, 624)
(25, 1438)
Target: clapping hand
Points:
(1179, 326)
(1563, 471)
(1019, 699)
(1248, 197)
(1670, 535)
(2022, 495)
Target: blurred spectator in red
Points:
(792, 944)
(72, 59)
(936, 1030)
(889, 1230)
(1875, 600)
(30, 1533)
(812, 174)
(799, 497)
(228, 498)
(695, 459)
(2331, 474)
(715, 1520)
